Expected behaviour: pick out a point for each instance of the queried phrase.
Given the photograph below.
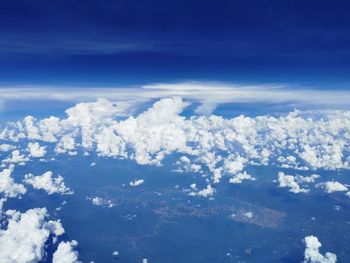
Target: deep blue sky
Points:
(129, 42)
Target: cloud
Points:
(46, 181)
(65, 253)
(332, 186)
(210, 145)
(6, 147)
(16, 157)
(98, 201)
(289, 181)
(186, 166)
(8, 187)
(312, 252)
(35, 150)
(24, 238)
(137, 182)
(248, 215)
(208, 94)
(238, 178)
(206, 192)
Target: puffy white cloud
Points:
(248, 214)
(307, 179)
(238, 178)
(66, 144)
(23, 240)
(185, 165)
(115, 254)
(47, 182)
(36, 150)
(223, 147)
(312, 252)
(8, 187)
(6, 147)
(31, 129)
(65, 253)
(289, 181)
(137, 182)
(55, 227)
(16, 157)
(206, 192)
(332, 186)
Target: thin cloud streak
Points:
(208, 94)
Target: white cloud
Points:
(185, 165)
(24, 238)
(238, 178)
(66, 144)
(8, 187)
(307, 179)
(248, 215)
(136, 182)
(312, 252)
(115, 254)
(36, 150)
(47, 182)
(332, 186)
(289, 181)
(206, 192)
(206, 144)
(16, 157)
(65, 253)
(209, 94)
(6, 147)
(98, 201)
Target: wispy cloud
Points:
(208, 94)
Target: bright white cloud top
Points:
(8, 187)
(137, 182)
(65, 253)
(36, 150)
(216, 148)
(312, 252)
(25, 236)
(224, 146)
(332, 186)
(48, 183)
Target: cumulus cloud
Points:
(8, 187)
(35, 150)
(206, 192)
(136, 182)
(238, 178)
(289, 181)
(65, 253)
(207, 144)
(16, 157)
(47, 182)
(6, 147)
(24, 238)
(248, 215)
(332, 186)
(185, 165)
(312, 252)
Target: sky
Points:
(225, 92)
(116, 43)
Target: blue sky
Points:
(137, 42)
